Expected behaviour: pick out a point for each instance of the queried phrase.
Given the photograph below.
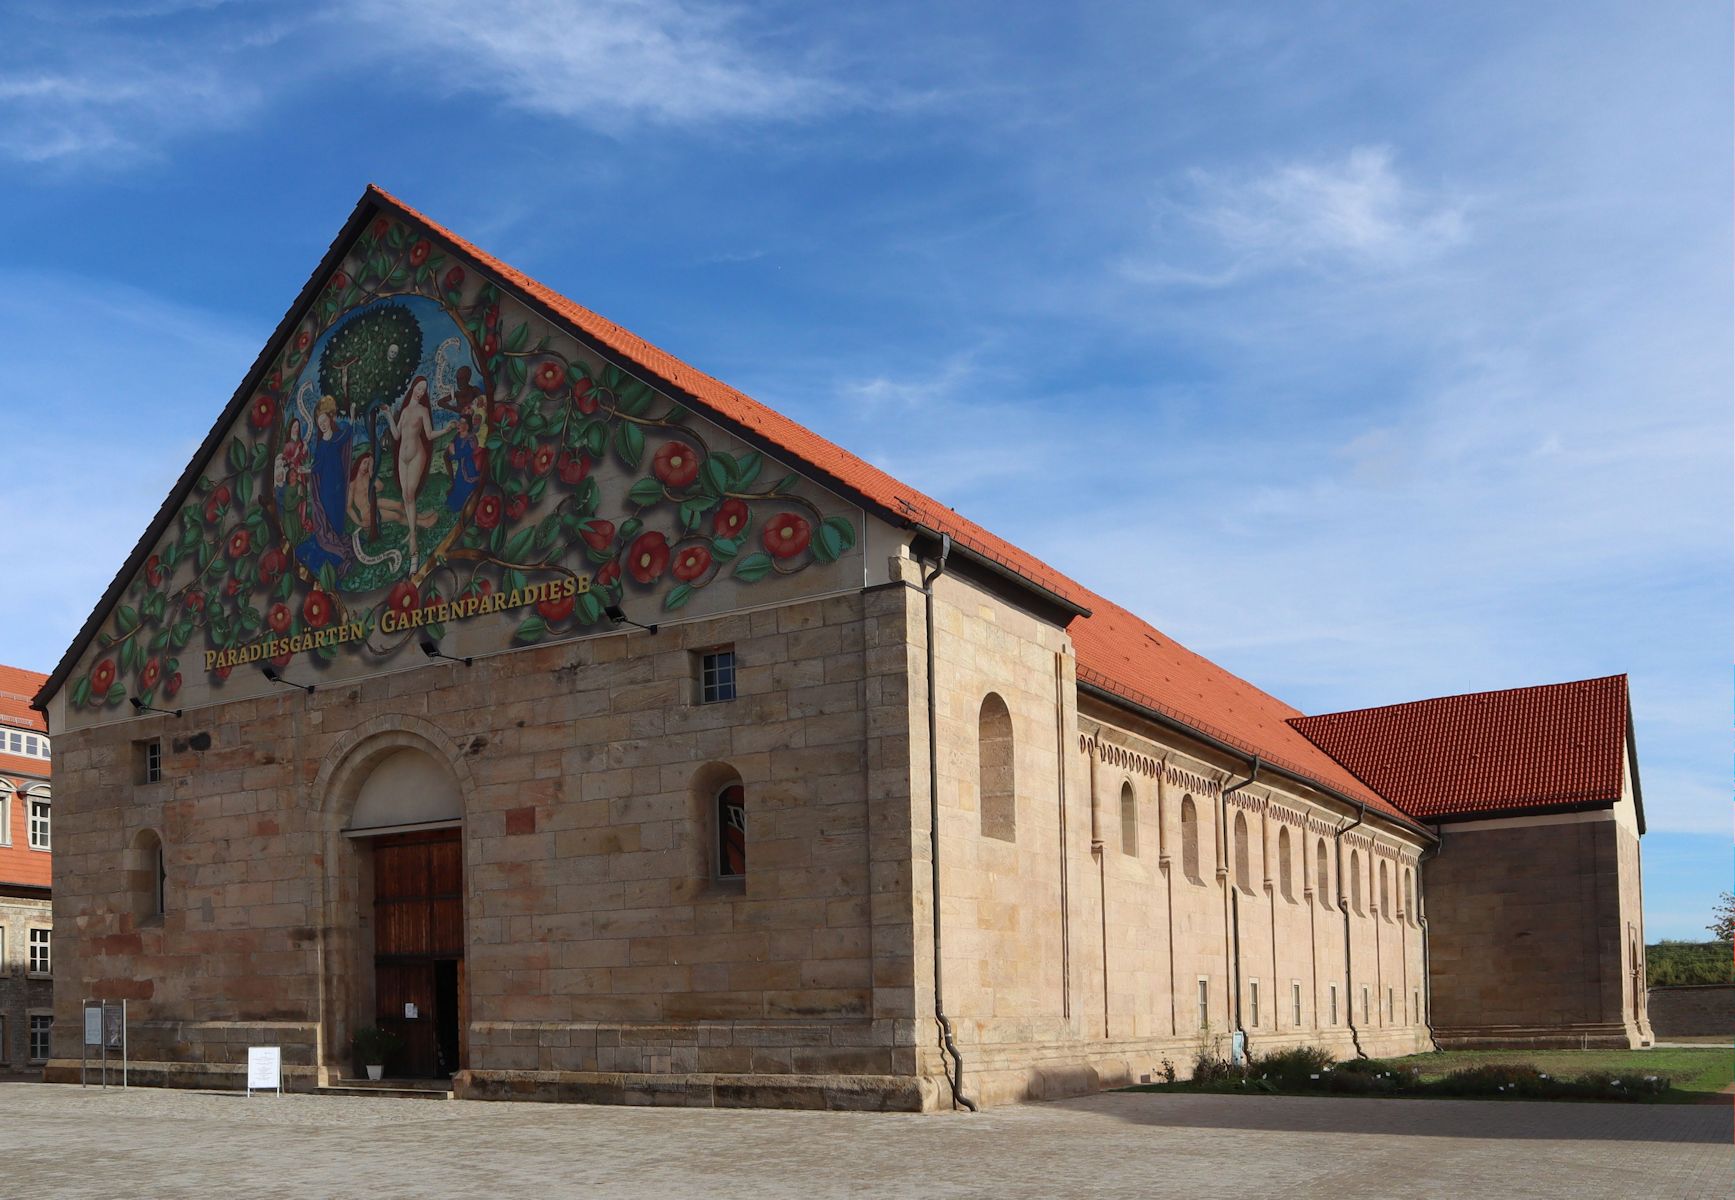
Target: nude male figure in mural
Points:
(413, 427)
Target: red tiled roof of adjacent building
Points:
(17, 687)
(1556, 746)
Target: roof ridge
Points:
(1529, 687)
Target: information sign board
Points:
(264, 1068)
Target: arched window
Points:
(1385, 893)
(148, 876)
(732, 831)
(1190, 839)
(1129, 820)
(1243, 873)
(1284, 875)
(994, 766)
(1355, 887)
(1409, 895)
(1322, 874)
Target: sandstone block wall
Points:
(1707, 1010)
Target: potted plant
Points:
(373, 1046)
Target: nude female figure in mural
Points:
(413, 427)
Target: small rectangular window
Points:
(1253, 1002)
(1364, 1004)
(1334, 1004)
(38, 823)
(1391, 1012)
(17, 746)
(1204, 1001)
(1295, 1001)
(716, 676)
(41, 963)
(41, 1036)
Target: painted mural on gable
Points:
(426, 458)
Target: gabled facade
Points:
(883, 812)
(26, 876)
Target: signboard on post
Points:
(92, 1025)
(105, 1032)
(264, 1069)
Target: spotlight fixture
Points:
(432, 649)
(141, 707)
(618, 615)
(270, 672)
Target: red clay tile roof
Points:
(17, 686)
(1487, 753)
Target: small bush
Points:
(1292, 1067)
(1168, 1071)
(1494, 1079)
(1208, 1068)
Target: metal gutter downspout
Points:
(1422, 921)
(956, 1076)
(1343, 904)
(1235, 897)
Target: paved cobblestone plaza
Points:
(60, 1141)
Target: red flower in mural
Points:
(491, 318)
(557, 609)
(216, 502)
(262, 411)
(597, 534)
(610, 573)
(519, 458)
(221, 672)
(380, 227)
(316, 610)
(648, 556)
(282, 660)
(195, 601)
(542, 459)
(403, 599)
(584, 396)
(786, 536)
(517, 507)
(572, 468)
(303, 340)
(419, 253)
(278, 618)
(239, 543)
(676, 464)
(232, 587)
(549, 375)
(691, 563)
(172, 686)
(454, 278)
(503, 415)
(153, 570)
(102, 677)
(488, 512)
(272, 565)
(731, 518)
(152, 672)
(340, 280)
(491, 345)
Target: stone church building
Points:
(497, 679)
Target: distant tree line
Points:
(1673, 964)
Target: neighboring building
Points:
(1536, 926)
(26, 877)
(880, 790)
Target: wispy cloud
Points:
(603, 63)
(118, 114)
(1355, 213)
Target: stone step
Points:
(410, 1089)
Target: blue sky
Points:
(1377, 350)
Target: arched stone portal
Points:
(392, 797)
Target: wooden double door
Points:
(419, 950)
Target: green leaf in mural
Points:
(678, 596)
(154, 604)
(126, 618)
(747, 470)
(259, 453)
(512, 581)
(786, 484)
(518, 337)
(724, 549)
(531, 630)
(645, 492)
(834, 536)
(244, 489)
(238, 456)
(694, 510)
(520, 542)
(327, 580)
(628, 530)
(81, 692)
(326, 653)
(596, 438)
(753, 568)
(629, 443)
(633, 398)
(116, 694)
(716, 475)
(588, 608)
(845, 531)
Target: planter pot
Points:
(376, 1070)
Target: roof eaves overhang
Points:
(1531, 810)
(931, 538)
(1633, 769)
(1158, 717)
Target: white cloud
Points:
(602, 63)
(1354, 213)
(118, 112)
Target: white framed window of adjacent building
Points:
(39, 809)
(41, 960)
(1333, 997)
(41, 1036)
(1204, 1000)
(1295, 1002)
(717, 675)
(6, 793)
(1253, 1002)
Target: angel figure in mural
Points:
(464, 457)
(413, 427)
(328, 467)
(292, 459)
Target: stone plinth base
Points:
(1601, 1036)
(858, 1093)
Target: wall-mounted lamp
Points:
(141, 707)
(432, 649)
(270, 672)
(617, 614)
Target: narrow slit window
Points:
(1129, 820)
(1295, 1003)
(1253, 1002)
(1333, 1009)
(1204, 1001)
